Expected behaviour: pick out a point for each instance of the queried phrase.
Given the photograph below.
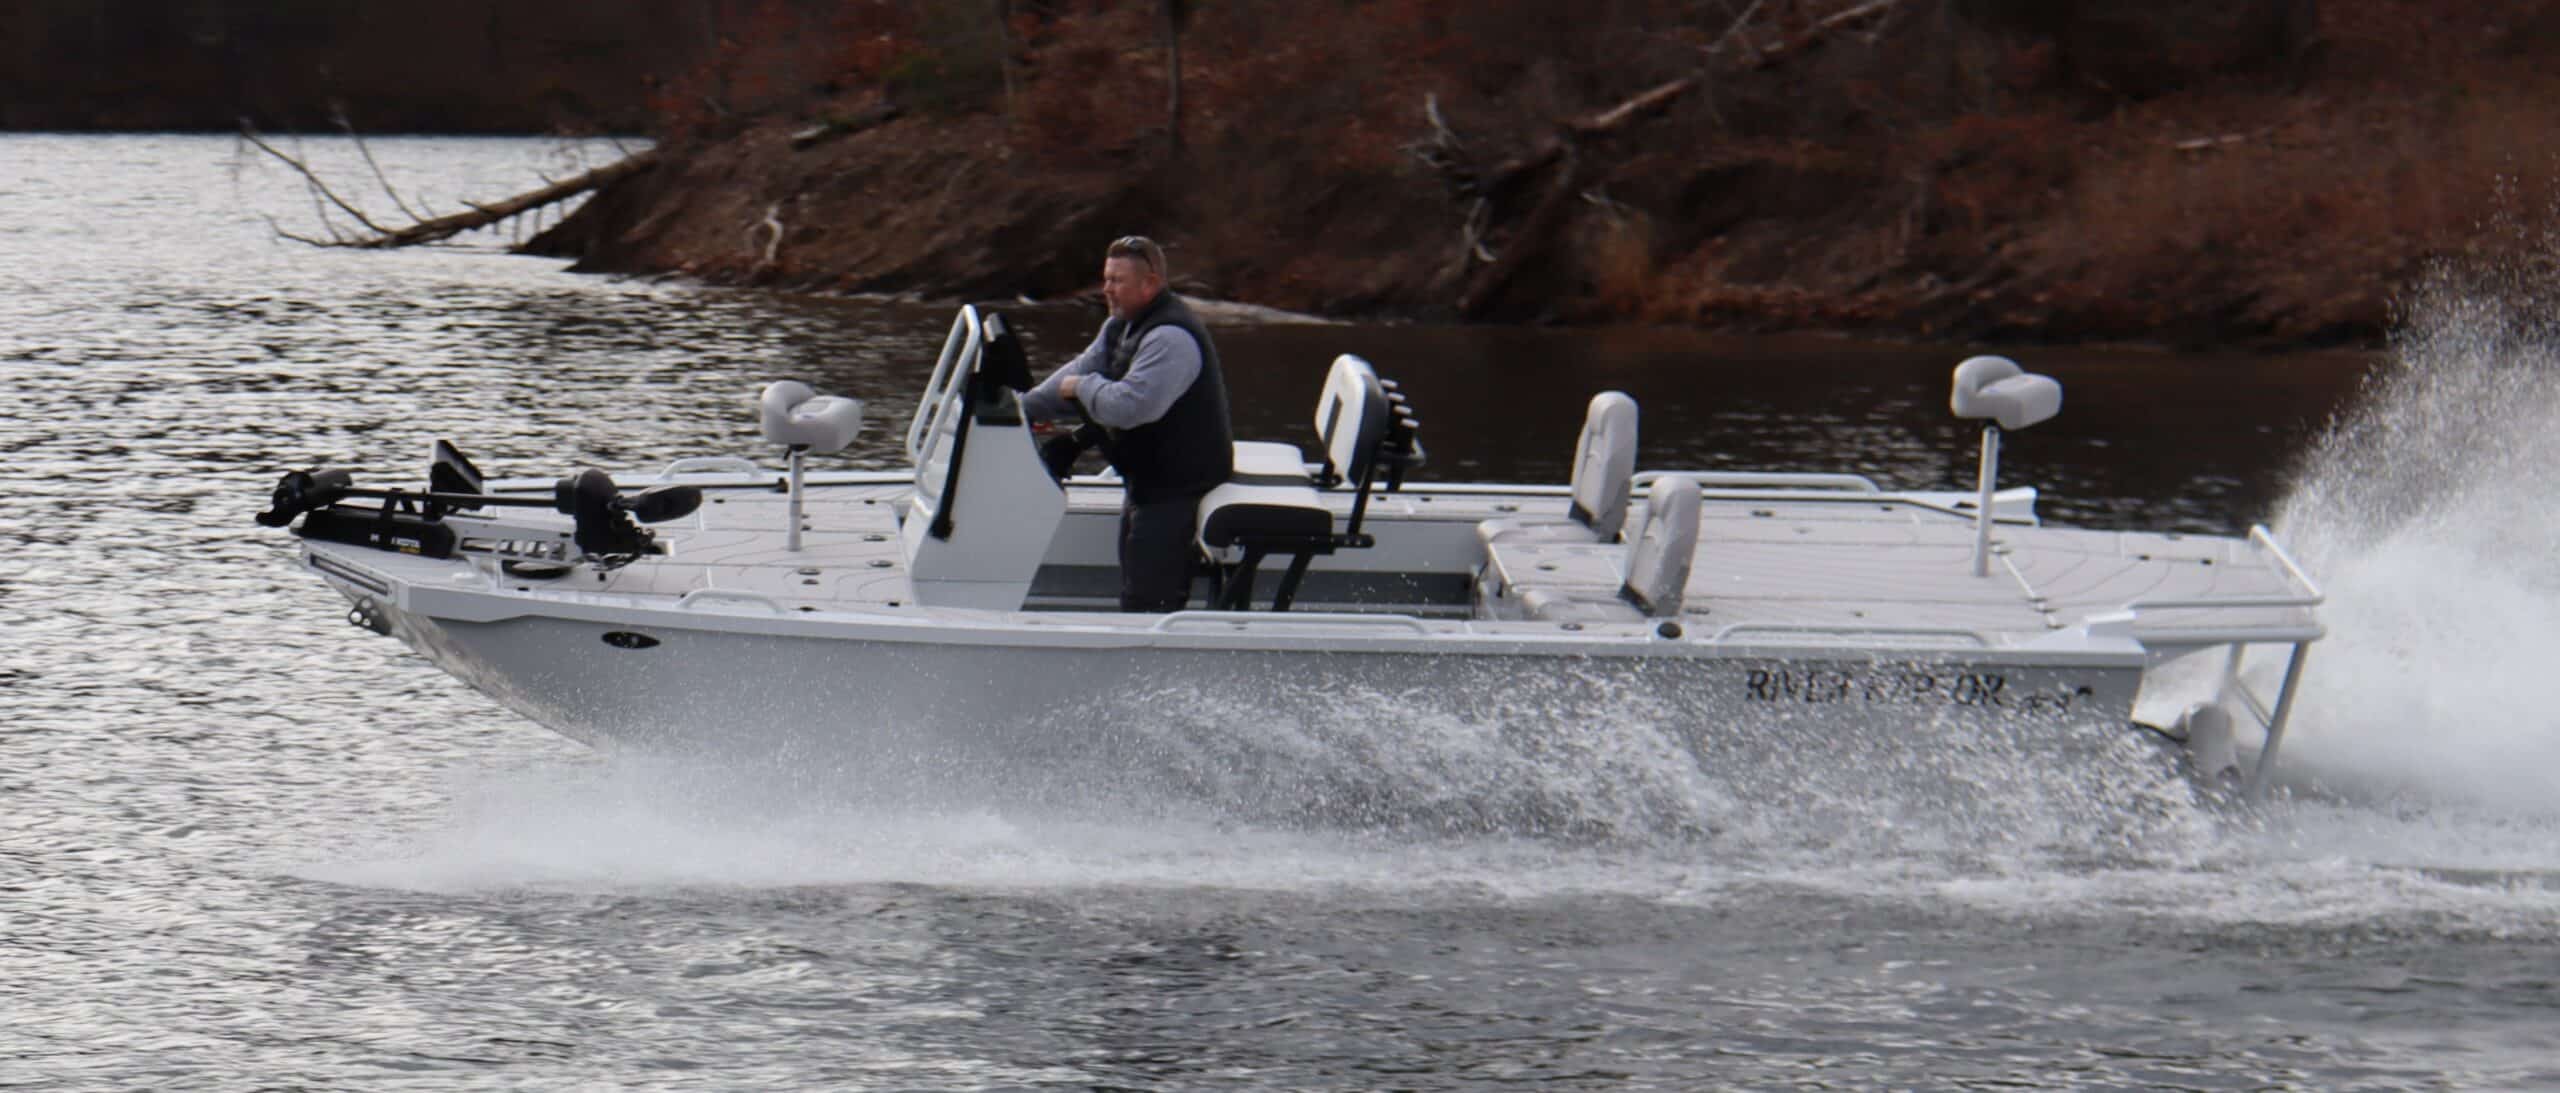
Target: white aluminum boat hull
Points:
(1303, 733)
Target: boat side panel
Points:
(1280, 732)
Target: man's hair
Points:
(1143, 249)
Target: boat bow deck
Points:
(1887, 568)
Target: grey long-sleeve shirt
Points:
(1166, 362)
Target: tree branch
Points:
(338, 113)
(1616, 117)
(249, 133)
(1716, 47)
(1822, 29)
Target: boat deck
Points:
(1887, 569)
(1772, 566)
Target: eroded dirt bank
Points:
(2261, 172)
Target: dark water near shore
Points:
(244, 846)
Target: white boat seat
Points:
(1269, 494)
(1997, 390)
(804, 421)
(796, 416)
(1602, 581)
(1604, 464)
(1269, 506)
(1234, 512)
(1267, 459)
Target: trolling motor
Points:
(607, 523)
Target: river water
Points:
(244, 846)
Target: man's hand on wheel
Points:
(1058, 454)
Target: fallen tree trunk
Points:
(434, 229)
(437, 228)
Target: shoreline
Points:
(2255, 175)
(2262, 175)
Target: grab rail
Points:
(1263, 620)
(948, 371)
(709, 464)
(1819, 629)
(687, 601)
(2258, 536)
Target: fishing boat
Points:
(958, 615)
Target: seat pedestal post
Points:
(791, 538)
(1982, 504)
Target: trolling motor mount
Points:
(606, 524)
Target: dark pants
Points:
(1158, 540)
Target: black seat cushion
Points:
(1228, 524)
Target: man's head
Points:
(1133, 272)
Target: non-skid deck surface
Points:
(848, 555)
(1876, 567)
(1881, 568)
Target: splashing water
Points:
(2426, 513)
(1578, 786)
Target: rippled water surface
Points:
(245, 846)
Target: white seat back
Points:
(1666, 544)
(1604, 464)
(1351, 416)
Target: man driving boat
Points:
(1151, 388)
